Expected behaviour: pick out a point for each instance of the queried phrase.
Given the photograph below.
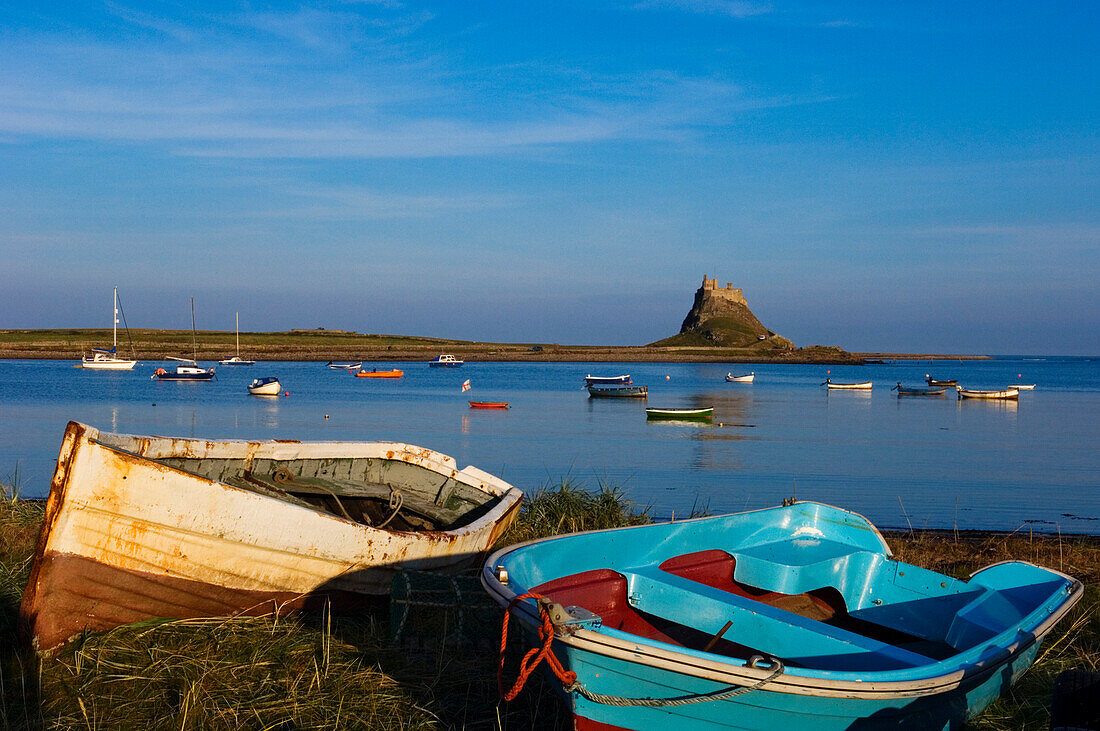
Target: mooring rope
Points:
(569, 680)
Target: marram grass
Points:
(321, 671)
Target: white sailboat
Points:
(107, 360)
(237, 360)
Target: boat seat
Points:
(604, 592)
(780, 633)
(715, 567)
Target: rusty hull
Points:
(126, 538)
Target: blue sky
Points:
(879, 176)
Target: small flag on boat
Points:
(466, 385)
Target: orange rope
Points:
(535, 655)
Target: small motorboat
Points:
(1004, 394)
(607, 380)
(445, 360)
(787, 617)
(617, 391)
(747, 378)
(345, 366)
(392, 373)
(143, 526)
(933, 382)
(488, 404)
(676, 414)
(269, 386)
(918, 390)
(187, 370)
(861, 386)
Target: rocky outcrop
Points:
(720, 317)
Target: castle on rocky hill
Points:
(720, 316)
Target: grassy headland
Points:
(324, 671)
(325, 345)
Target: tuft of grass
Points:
(244, 672)
(568, 508)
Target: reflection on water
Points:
(1002, 462)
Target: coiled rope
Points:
(569, 680)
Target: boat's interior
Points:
(383, 493)
(694, 601)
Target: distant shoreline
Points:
(337, 345)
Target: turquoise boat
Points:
(789, 617)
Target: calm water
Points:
(929, 462)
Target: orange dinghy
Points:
(394, 373)
(488, 404)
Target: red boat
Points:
(488, 404)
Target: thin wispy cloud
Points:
(212, 94)
(730, 8)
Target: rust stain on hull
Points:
(127, 538)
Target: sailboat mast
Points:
(114, 323)
(194, 342)
(238, 334)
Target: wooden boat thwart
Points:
(488, 404)
(862, 386)
(392, 373)
(700, 414)
(795, 614)
(747, 378)
(617, 391)
(140, 527)
(1003, 394)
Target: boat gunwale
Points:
(802, 681)
(441, 464)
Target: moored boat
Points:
(1023, 386)
(349, 366)
(607, 380)
(141, 526)
(861, 386)
(445, 360)
(687, 414)
(187, 370)
(747, 378)
(934, 382)
(103, 359)
(1009, 394)
(918, 390)
(617, 391)
(237, 360)
(391, 373)
(268, 386)
(785, 617)
(488, 404)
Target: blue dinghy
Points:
(790, 617)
